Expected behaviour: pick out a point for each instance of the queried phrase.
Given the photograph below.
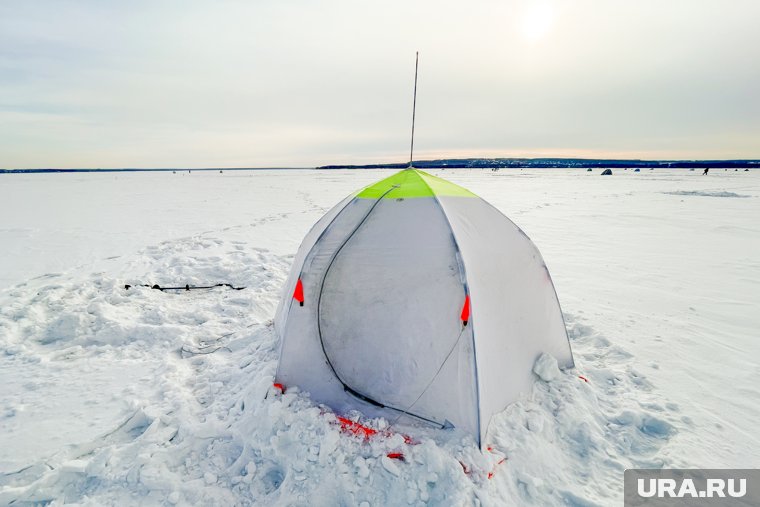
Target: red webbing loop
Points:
(298, 293)
(466, 310)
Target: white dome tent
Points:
(414, 297)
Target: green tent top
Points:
(412, 183)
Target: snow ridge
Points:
(707, 193)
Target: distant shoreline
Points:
(557, 163)
(467, 163)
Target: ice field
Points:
(114, 396)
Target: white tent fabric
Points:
(385, 276)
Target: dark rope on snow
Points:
(186, 287)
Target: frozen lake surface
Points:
(108, 399)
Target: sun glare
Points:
(537, 21)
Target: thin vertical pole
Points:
(414, 106)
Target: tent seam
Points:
(463, 270)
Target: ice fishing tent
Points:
(414, 297)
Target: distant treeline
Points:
(488, 163)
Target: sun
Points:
(537, 21)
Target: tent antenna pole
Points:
(414, 107)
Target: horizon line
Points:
(376, 165)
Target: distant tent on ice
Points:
(414, 297)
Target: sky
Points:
(291, 83)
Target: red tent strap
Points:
(409, 440)
(298, 293)
(358, 429)
(493, 471)
(466, 310)
(355, 428)
(501, 460)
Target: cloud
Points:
(300, 83)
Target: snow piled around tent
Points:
(203, 426)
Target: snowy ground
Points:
(115, 397)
